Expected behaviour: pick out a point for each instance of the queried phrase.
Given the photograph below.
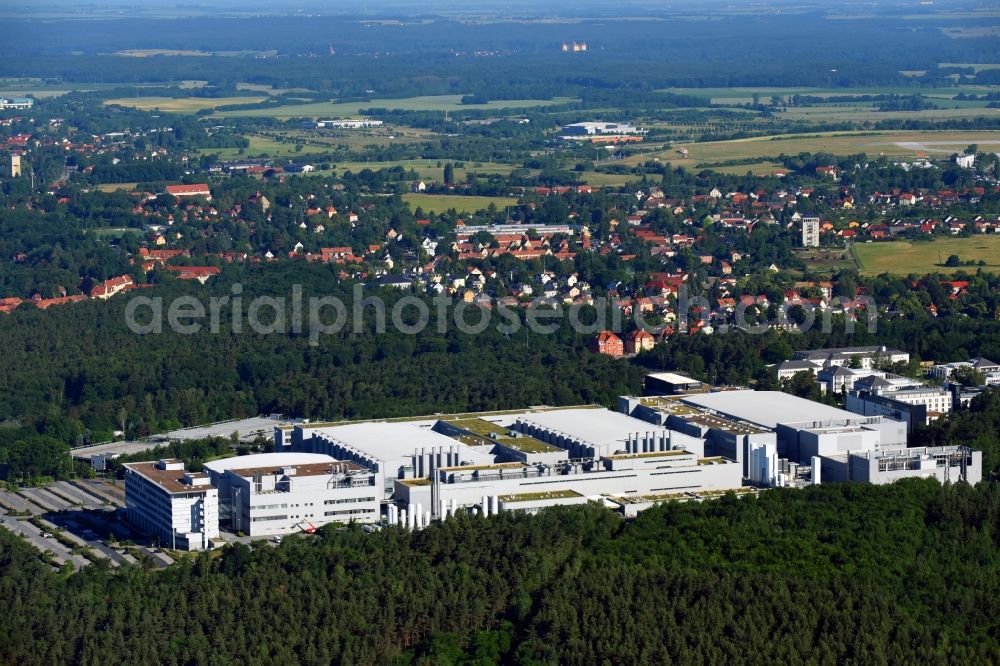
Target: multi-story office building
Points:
(180, 509)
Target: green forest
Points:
(839, 574)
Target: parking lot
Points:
(77, 522)
(246, 429)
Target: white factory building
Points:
(179, 508)
(811, 438)
(281, 493)
(689, 446)
(354, 123)
(586, 129)
(435, 466)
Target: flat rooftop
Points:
(475, 468)
(649, 454)
(526, 444)
(394, 441)
(314, 469)
(542, 496)
(766, 409)
(170, 480)
(597, 427)
(267, 460)
(672, 378)
(670, 405)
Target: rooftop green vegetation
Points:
(668, 404)
(657, 497)
(479, 468)
(649, 454)
(527, 444)
(714, 460)
(534, 497)
(474, 440)
(477, 426)
(415, 482)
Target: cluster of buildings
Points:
(859, 375)
(689, 443)
(16, 103)
(359, 123)
(602, 132)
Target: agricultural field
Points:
(867, 113)
(439, 203)
(191, 53)
(40, 89)
(726, 96)
(902, 145)
(601, 179)
(180, 104)
(426, 103)
(902, 258)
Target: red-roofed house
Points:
(9, 304)
(112, 286)
(607, 343)
(199, 273)
(43, 303)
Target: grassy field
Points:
(262, 145)
(826, 260)
(902, 145)
(903, 258)
(115, 187)
(427, 103)
(108, 233)
(600, 179)
(439, 203)
(180, 104)
(428, 169)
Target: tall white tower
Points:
(810, 232)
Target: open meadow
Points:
(440, 203)
(424, 103)
(902, 258)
